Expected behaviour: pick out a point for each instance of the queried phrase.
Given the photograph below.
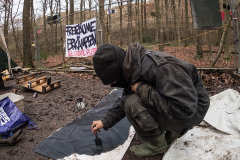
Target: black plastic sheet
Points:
(206, 14)
(77, 137)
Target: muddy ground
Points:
(57, 108)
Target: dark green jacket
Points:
(172, 89)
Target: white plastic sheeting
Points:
(217, 137)
(115, 154)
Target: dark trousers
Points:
(144, 123)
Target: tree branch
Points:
(222, 39)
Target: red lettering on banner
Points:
(88, 52)
(75, 53)
(78, 54)
(84, 53)
(70, 53)
(93, 50)
(81, 53)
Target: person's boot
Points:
(171, 135)
(150, 148)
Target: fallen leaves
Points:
(219, 81)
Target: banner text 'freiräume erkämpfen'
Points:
(81, 39)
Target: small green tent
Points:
(4, 61)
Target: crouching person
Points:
(163, 96)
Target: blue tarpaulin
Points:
(11, 118)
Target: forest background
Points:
(35, 39)
(35, 30)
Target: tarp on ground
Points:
(4, 61)
(76, 141)
(217, 137)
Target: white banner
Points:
(81, 39)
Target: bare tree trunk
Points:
(159, 25)
(71, 11)
(166, 13)
(109, 22)
(157, 9)
(56, 35)
(161, 48)
(175, 18)
(121, 25)
(179, 21)
(102, 21)
(220, 30)
(187, 22)
(84, 13)
(145, 15)
(45, 27)
(89, 5)
(219, 36)
(130, 21)
(67, 12)
(51, 24)
(199, 53)
(210, 47)
(27, 56)
(81, 10)
(135, 22)
(32, 20)
(6, 21)
(227, 38)
(141, 26)
(138, 22)
(157, 31)
(61, 33)
(15, 35)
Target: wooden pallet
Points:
(37, 84)
(24, 78)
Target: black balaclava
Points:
(108, 64)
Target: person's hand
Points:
(96, 126)
(134, 86)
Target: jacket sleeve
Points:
(174, 94)
(115, 114)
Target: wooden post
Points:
(226, 43)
